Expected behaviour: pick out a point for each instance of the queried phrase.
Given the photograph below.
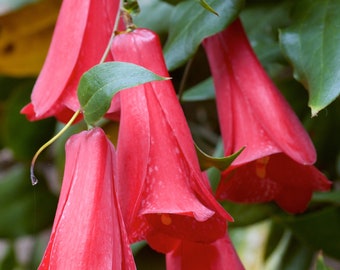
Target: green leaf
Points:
(268, 16)
(98, 86)
(311, 43)
(159, 21)
(220, 163)
(190, 24)
(325, 130)
(213, 173)
(320, 263)
(172, 2)
(332, 197)
(317, 230)
(203, 91)
(249, 214)
(208, 7)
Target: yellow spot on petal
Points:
(261, 171)
(166, 219)
(261, 167)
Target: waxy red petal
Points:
(282, 179)
(201, 256)
(163, 192)
(80, 37)
(88, 230)
(277, 161)
(252, 112)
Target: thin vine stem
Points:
(34, 179)
(115, 26)
(184, 78)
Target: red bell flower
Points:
(277, 161)
(82, 32)
(164, 196)
(88, 230)
(201, 256)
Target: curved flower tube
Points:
(88, 230)
(78, 44)
(277, 161)
(164, 196)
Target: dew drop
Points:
(34, 179)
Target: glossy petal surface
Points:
(163, 193)
(77, 45)
(281, 179)
(252, 111)
(88, 230)
(277, 161)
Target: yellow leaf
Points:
(25, 36)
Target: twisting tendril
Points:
(34, 179)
